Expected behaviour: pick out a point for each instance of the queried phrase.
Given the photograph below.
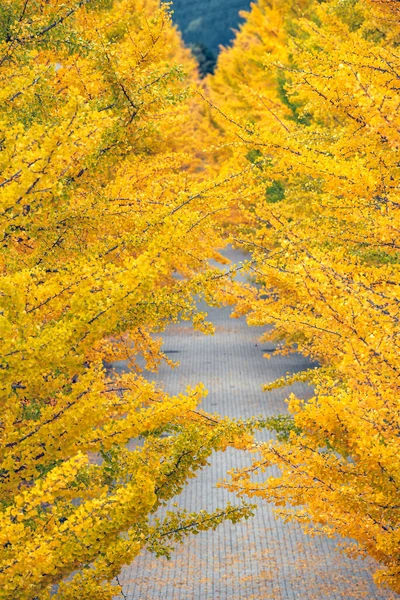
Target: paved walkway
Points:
(262, 558)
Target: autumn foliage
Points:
(110, 212)
(100, 213)
(309, 96)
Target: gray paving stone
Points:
(262, 558)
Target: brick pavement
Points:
(262, 558)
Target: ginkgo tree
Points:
(109, 214)
(309, 97)
(104, 201)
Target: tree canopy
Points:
(121, 177)
(309, 96)
(105, 239)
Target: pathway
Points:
(262, 558)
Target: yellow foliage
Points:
(107, 227)
(110, 211)
(309, 97)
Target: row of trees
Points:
(309, 95)
(110, 212)
(103, 202)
